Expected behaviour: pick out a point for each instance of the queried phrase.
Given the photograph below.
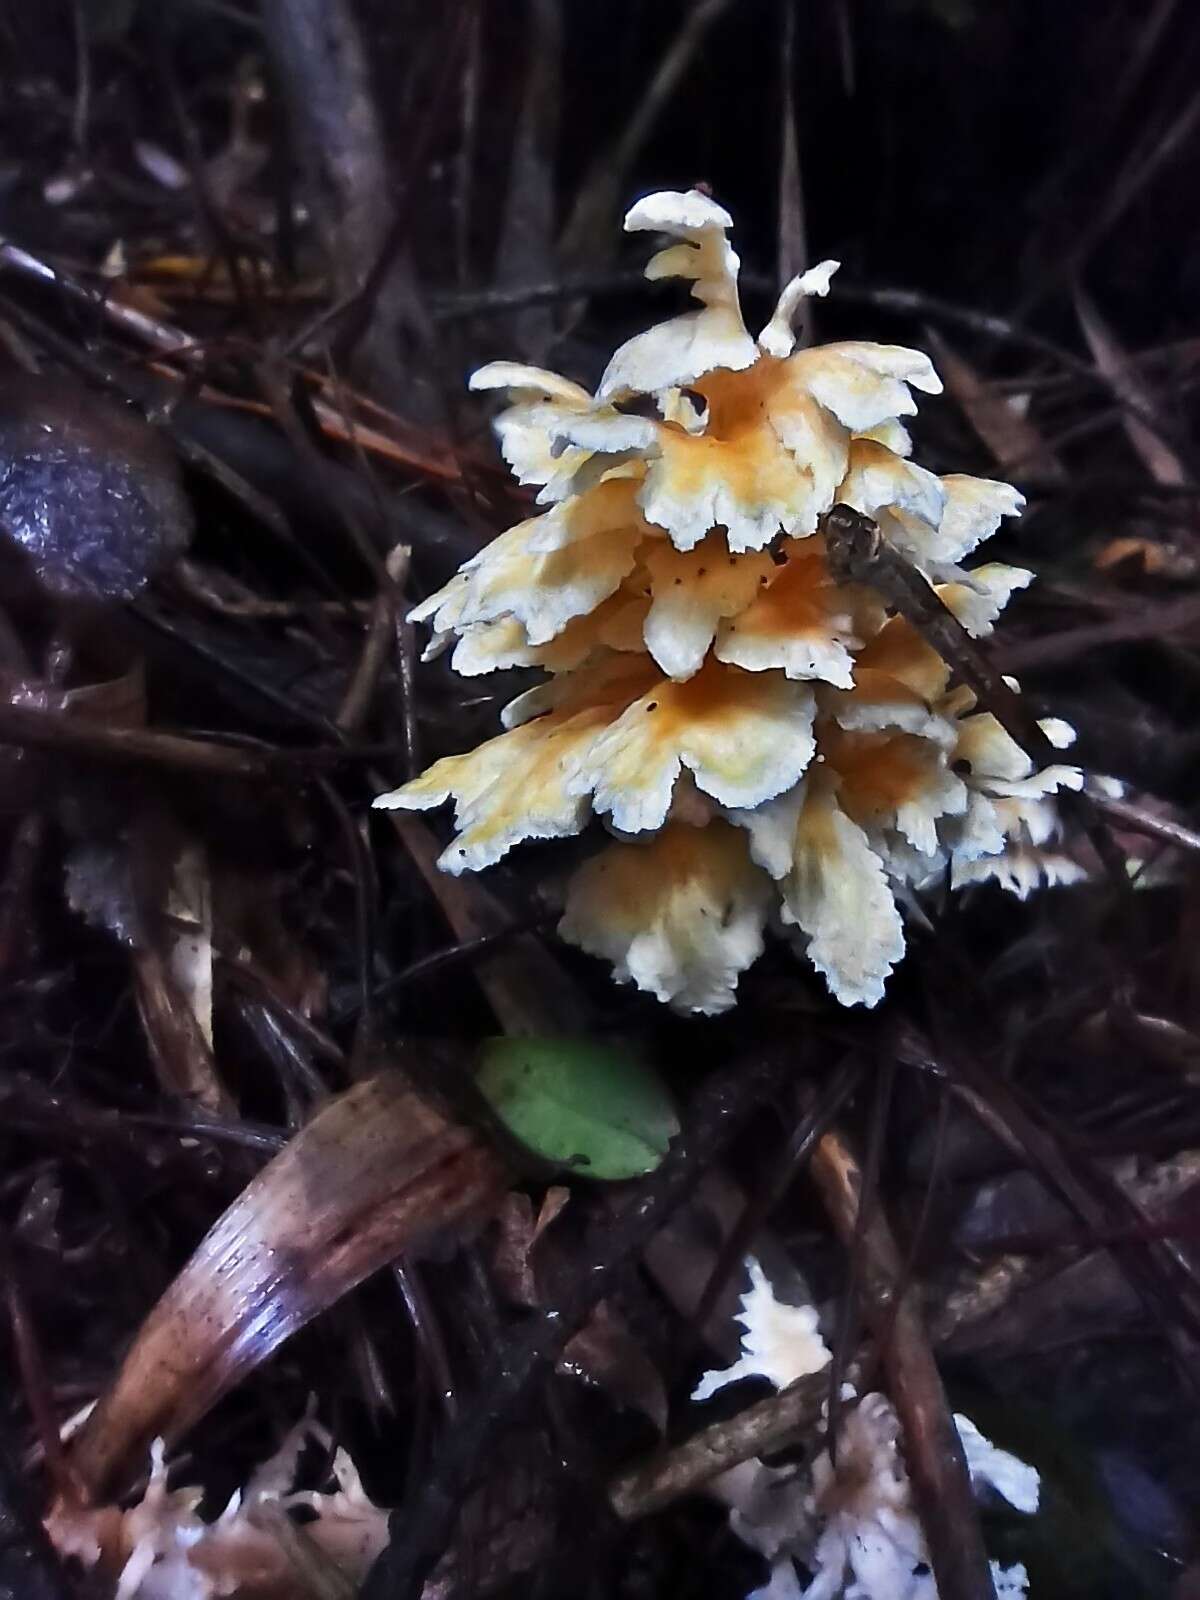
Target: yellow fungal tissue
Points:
(763, 746)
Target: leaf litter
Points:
(254, 1203)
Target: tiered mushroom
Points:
(762, 744)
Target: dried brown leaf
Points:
(519, 1231)
(605, 1353)
(378, 1171)
(1011, 437)
(1150, 558)
(1163, 465)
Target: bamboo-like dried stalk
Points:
(378, 1172)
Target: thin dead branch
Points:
(76, 736)
(772, 1424)
(932, 1447)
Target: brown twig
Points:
(1148, 622)
(160, 336)
(176, 346)
(1160, 460)
(242, 604)
(465, 950)
(34, 1379)
(769, 1425)
(1162, 1278)
(818, 1114)
(1138, 821)
(75, 736)
(378, 643)
(941, 1482)
(899, 302)
(859, 553)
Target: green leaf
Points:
(591, 1107)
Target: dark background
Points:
(987, 171)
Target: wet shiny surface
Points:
(89, 491)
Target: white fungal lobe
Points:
(769, 745)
